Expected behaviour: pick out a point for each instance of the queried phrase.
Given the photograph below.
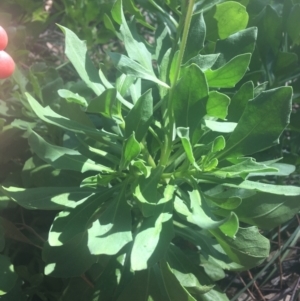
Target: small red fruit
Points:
(3, 38)
(7, 65)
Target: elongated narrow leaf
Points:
(76, 52)
(136, 50)
(190, 97)
(229, 74)
(249, 248)
(175, 291)
(130, 67)
(123, 83)
(140, 116)
(268, 188)
(8, 277)
(131, 150)
(196, 37)
(261, 124)
(73, 221)
(49, 116)
(183, 134)
(61, 157)
(48, 198)
(243, 169)
(153, 238)
(112, 230)
(69, 260)
(146, 191)
(217, 104)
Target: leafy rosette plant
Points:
(170, 196)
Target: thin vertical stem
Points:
(168, 114)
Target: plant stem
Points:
(168, 114)
(187, 23)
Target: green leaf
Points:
(191, 277)
(243, 169)
(204, 62)
(293, 24)
(217, 104)
(183, 134)
(131, 150)
(210, 248)
(49, 116)
(228, 203)
(268, 211)
(239, 43)
(123, 83)
(109, 85)
(131, 7)
(196, 37)
(229, 74)
(144, 285)
(69, 260)
(285, 63)
(61, 157)
(8, 277)
(221, 127)
(48, 198)
(287, 190)
(112, 230)
(282, 169)
(72, 97)
(154, 235)
(130, 67)
(136, 50)
(140, 116)
(249, 248)
(73, 221)
(76, 52)
(146, 191)
(269, 31)
(239, 101)
(262, 122)
(142, 167)
(189, 98)
(106, 104)
(193, 211)
(218, 144)
(176, 292)
(224, 19)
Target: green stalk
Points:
(169, 117)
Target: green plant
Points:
(169, 196)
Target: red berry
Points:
(3, 38)
(7, 65)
